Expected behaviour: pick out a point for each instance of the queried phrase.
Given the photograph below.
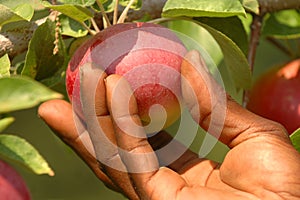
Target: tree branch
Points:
(15, 41)
(267, 6)
(256, 27)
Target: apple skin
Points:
(12, 185)
(149, 56)
(276, 95)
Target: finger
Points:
(100, 128)
(58, 115)
(134, 149)
(215, 111)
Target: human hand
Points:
(261, 163)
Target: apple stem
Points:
(106, 19)
(124, 13)
(116, 10)
(279, 46)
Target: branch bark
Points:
(15, 40)
(267, 6)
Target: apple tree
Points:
(38, 38)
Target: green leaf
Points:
(13, 4)
(76, 12)
(283, 25)
(78, 2)
(108, 6)
(295, 138)
(195, 37)
(231, 27)
(18, 93)
(18, 149)
(7, 15)
(25, 11)
(40, 62)
(5, 122)
(71, 27)
(203, 8)
(4, 66)
(56, 78)
(251, 5)
(136, 5)
(234, 58)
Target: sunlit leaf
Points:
(136, 5)
(18, 149)
(251, 5)
(4, 66)
(40, 61)
(7, 15)
(18, 93)
(25, 11)
(76, 12)
(234, 58)
(295, 138)
(71, 27)
(284, 24)
(5, 122)
(203, 8)
(15, 3)
(78, 2)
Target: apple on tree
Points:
(12, 185)
(276, 95)
(147, 55)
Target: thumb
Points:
(214, 110)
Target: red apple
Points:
(12, 185)
(276, 95)
(147, 55)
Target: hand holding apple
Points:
(274, 163)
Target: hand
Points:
(261, 163)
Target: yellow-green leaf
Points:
(295, 138)
(4, 66)
(25, 11)
(19, 150)
(5, 122)
(76, 12)
(203, 8)
(20, 93)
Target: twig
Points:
(256, 26)
(103, 13)
(116, 10)
(279, 46)
(95, 25)
(88, 28)
(124, 13)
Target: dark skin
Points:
(261, 163)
